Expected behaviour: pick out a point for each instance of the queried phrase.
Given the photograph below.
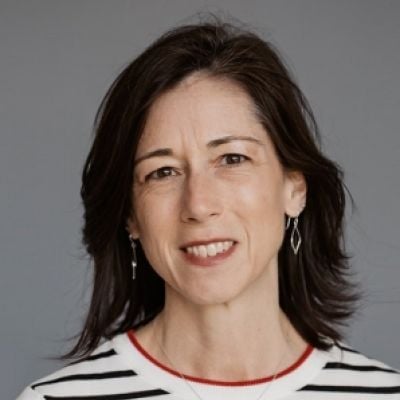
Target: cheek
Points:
(153, 236)
(261, 193)
(260, 203)
(155, 222)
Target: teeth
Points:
(209, 250)
(203, 251)
(227, 245)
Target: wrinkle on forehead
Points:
(189, 89)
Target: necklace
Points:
(265, 389)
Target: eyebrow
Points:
(165, 152)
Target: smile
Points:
(209, 250)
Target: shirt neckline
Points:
(303, 357)
(153, 376)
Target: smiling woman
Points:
(215, 225)
(211, 185)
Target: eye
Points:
(160, 173)
(233, 158)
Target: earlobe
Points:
(296, 194)
(131, 228)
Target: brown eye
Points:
(160, 173)
(234, 158)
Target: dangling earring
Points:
(134, 260)
(295, 231)
(287, 223)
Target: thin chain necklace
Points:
(267, 387)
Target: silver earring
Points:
(287, 223)
(295, 231)
(134, 260)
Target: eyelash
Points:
(236, 155)
(152, 175)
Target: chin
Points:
(210, 295)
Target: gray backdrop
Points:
(57, 60)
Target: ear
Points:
(295, 193)
(132, 227)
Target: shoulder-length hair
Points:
(314, 290)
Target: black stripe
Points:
(122, 396)
(339, 365)
(104, 354)
(86, 377)
(347, 349)
(352, 389)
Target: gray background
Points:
(58, 59)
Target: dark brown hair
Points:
(315, 292)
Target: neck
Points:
(243, 339)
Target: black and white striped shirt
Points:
(121, 369)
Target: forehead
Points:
(202, 105)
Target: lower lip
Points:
(211, 260)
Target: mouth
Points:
(210, 249)
(208, 253)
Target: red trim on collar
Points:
(286, 371)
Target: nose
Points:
(201, 199)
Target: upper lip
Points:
(206, 242)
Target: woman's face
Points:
(209, 192)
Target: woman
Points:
(215, 225)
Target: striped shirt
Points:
(121, 369)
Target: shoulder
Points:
(29, 394)
(345, 357)
(102, 374)
(348, 371)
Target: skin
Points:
(237, 190)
